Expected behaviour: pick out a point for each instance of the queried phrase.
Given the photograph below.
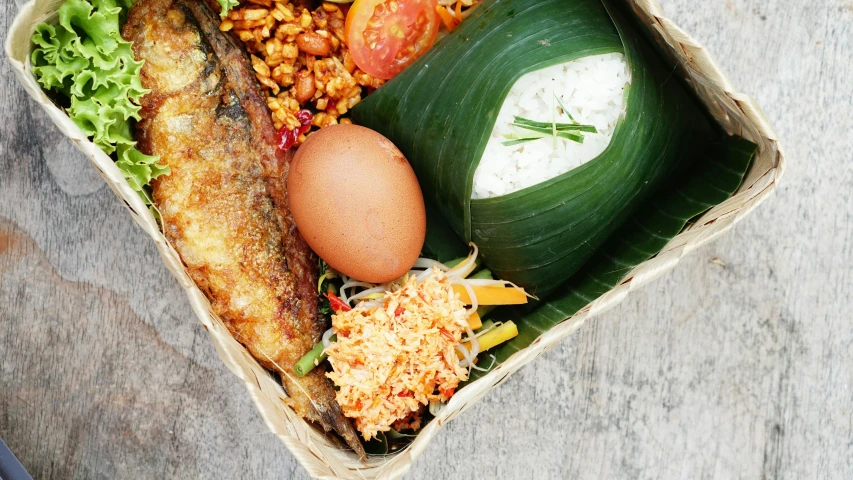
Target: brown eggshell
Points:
(356, 201)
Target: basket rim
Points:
(737, 113)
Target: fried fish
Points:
(224, 204)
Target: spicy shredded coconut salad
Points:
(397, 347)
(392, 359)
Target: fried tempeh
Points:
(224, 204)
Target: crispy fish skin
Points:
(224, 204)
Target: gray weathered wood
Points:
(738, 368)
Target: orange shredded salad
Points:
(390, 360)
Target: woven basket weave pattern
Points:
(323, 458)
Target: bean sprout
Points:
(467, 266)
(466, 285)
(327, 336)
(342, 293)
(423, 275)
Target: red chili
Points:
(446, 392)
(287, 137)
(406, 393)
(337, 304)
(304, 117)
(399, 311)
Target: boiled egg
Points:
(356, 201)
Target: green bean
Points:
(312, 358)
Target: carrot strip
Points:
(448, 21)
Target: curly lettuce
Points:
(84, 59)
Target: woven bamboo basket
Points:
(322, 457)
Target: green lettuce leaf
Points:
(84, 59)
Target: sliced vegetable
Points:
(484, 310)
(487, 325)
(336, 303)
(484, 274)
(474, 321)
(446, 18)
(386, 36)
(454, 262)
(500, 334)
(492, 295)
(312, 358)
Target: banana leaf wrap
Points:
(441, 111)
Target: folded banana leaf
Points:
(710, 181)
(442, 110)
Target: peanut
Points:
(305, 87)
(313, 44)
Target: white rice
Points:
(591, 88)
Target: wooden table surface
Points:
(739, 364)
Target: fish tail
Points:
(313, 397)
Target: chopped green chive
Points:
(565, 110)
(515, 139)
(560, 126)
(569, 131)
(577, 137)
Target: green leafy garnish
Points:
(563, 108)
(515, 139)
(84, 60)
(553, 132)
(227, 5)
(553, 129)
(522, 122)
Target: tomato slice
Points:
(386, 36)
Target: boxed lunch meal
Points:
(380, 209)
